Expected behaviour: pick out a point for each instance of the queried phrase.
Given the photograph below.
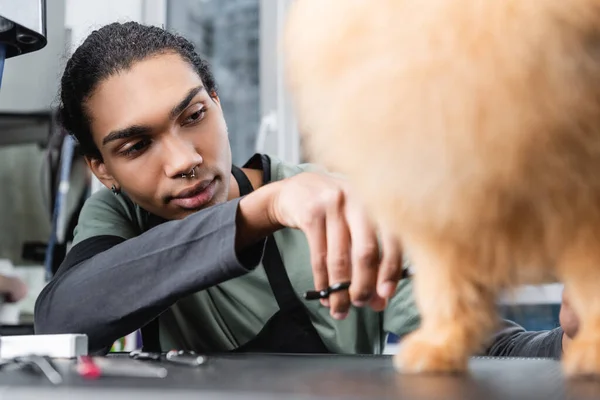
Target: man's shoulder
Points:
(103, 202)
(103, 213)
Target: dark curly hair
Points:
(106, 52)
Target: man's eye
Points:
(137, 147)
(195, 117)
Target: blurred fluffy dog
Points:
(472, 129)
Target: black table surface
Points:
(310, 377)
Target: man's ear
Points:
(215, 97)
(99, 170)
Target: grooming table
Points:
(287, 377)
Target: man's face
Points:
(153, 123)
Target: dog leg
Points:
(580, 272)
(457, 308)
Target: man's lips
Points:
(196, 196)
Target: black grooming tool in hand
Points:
(323, 294)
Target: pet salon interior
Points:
(48, 177)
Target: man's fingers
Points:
(338, 258)
(390, 270)
(317, 244)
(365, 256)
(378, 303)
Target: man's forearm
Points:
(123, 285)
(514, 341)
(254, 219)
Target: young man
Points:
(203, 255)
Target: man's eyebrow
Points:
(135, 130)
(185, 102)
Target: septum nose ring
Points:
(191, 174)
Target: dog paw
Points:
(418, 353)
(582, 357)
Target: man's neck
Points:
(254, 175)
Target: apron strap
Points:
(242, 180)
(151, 337)
(278, 278)
(276, 274)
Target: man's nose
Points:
(180, 156)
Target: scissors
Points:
(338, 287)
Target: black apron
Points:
(289, 330)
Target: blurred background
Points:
(45, 183)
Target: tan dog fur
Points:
(472, 131)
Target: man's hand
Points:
(342, 239)
(568, 321)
